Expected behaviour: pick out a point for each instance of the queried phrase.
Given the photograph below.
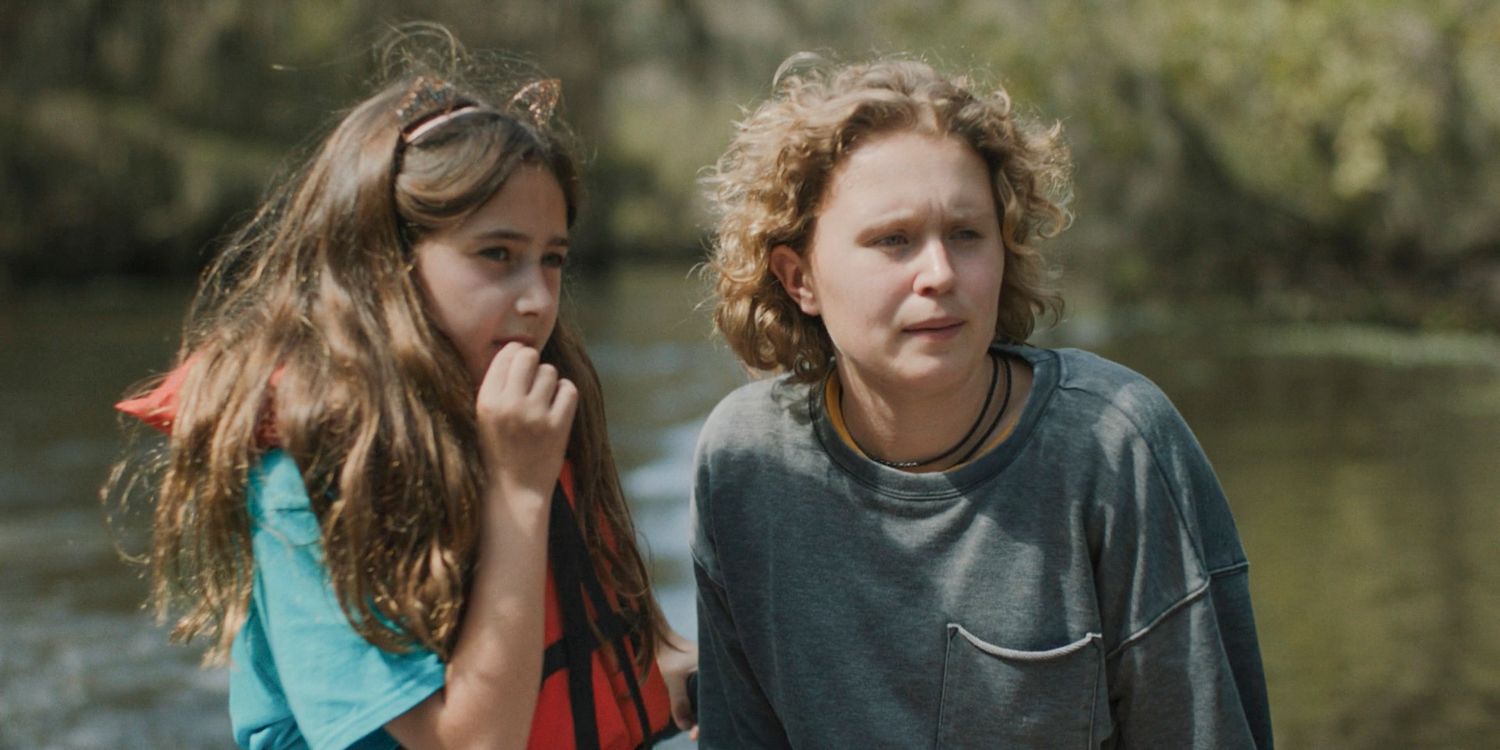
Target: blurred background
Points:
(1287, 216)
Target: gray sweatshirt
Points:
(1081, 585)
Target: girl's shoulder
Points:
(277, 501)
(275, 485)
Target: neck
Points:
(898, 423)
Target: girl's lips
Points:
(936, 326)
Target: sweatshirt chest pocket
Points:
(997, 697)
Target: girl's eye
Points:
(966, 234)
(894, 239)
(555, 260)
(495, 253)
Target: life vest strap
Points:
(574, 574)
(577, 649)
(612, 625)
(601, 604)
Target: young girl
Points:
(388, 492)
(925, 531)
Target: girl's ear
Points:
(791, 270)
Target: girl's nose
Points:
(534, 295)
(935, 274)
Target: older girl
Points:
(926, 532)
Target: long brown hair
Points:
(768, 187)
(310, 326)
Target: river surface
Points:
(1360, 463)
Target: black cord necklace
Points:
(989, 396)
(1004, 404)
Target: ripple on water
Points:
(1379, 345)
(102, 680)
(658, 490)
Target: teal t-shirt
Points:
(300, 676)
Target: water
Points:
(1359, 464)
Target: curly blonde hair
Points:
(767, 188)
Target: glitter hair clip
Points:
(539, 99)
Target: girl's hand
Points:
(677, 657)
(525, 412)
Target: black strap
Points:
(555, 658)
(627, 665)
(574, 573)
(577, 640)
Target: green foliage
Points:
(1267, 147)
(1339, 149)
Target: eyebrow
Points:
(503, 233)
(883, 220)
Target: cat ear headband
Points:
(539, 99)
(428, 104)
(431, 103)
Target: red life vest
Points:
(620, 701)
(575, 670)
